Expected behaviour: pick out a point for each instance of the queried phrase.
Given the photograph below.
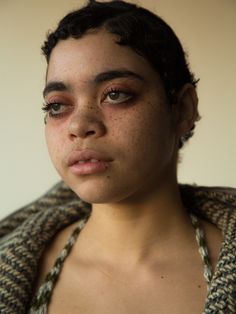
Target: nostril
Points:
(85, 126)
(89, 133)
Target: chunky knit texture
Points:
(25, 234)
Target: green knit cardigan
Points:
(25, 234)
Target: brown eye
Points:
(116, 97)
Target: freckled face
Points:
(109, 130)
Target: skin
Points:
(139, 245)
(136, 136)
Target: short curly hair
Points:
(143, 31)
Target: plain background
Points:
(207, 31)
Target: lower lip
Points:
(89, 167)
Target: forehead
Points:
(93, 53)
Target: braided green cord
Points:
(203, 250)
(42, 299)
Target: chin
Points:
(99, 194)
(98, 197)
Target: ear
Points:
(186, 109)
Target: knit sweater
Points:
(25, 234)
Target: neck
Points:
(135, 229)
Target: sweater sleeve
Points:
(57, 195)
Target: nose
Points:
(84, 124)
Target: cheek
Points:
(55, 143)
(140, 127)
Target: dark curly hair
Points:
(143, 31)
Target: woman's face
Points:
(109, 130)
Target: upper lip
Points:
(86, 154)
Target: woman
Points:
(120, 101)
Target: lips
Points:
(88, 162)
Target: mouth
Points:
(88, 162)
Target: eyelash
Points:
(48, 107)
(129, 96)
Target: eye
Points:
(54, 109)
(117, 97)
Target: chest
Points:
(168, 292)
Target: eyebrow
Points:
(99, 78)
(55, 86)
(113, 74)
